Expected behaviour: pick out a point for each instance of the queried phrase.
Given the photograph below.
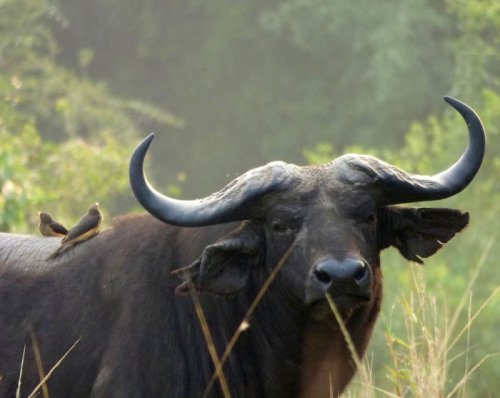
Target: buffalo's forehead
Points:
(350, 182)
(354, 170)
(344, 183)
(348, 171)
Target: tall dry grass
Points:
(422, 356)
(44, 377)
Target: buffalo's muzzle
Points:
(349, 277)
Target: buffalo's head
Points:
(336, 217)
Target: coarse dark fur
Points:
(115, 295)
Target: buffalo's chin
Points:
(345, 303)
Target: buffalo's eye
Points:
(282, 228)
(369, 218)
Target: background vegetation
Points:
(230, 85)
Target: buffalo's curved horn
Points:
(398, 186)
(234, 202)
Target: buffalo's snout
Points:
(350, 277)
(349, 273)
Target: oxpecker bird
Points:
(87, 227)
(50, 227)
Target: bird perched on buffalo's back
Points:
(50, 227)
(87, 227)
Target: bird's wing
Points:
(87, 225)
(58, 228)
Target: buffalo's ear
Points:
(224, 266)
(419, 232)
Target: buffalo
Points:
(126, 325)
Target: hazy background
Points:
(231, 85)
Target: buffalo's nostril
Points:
(349, 279)
(322, 276)
(360, 274)
(350, 275)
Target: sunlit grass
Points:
(362, 368)
(18, 389)
(45, 377)
(39, 363)
(219, 373)
(421, 355)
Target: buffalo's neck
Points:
(265, 361)
(290, 353)
(277, 338)
(327, 361)
(327, 364)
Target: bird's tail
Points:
(57, 252)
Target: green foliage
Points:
(423, 358)
(477, 46)
(41, 102)
(17, 194)
(63, 179)
(321, 153)
(63, 104)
